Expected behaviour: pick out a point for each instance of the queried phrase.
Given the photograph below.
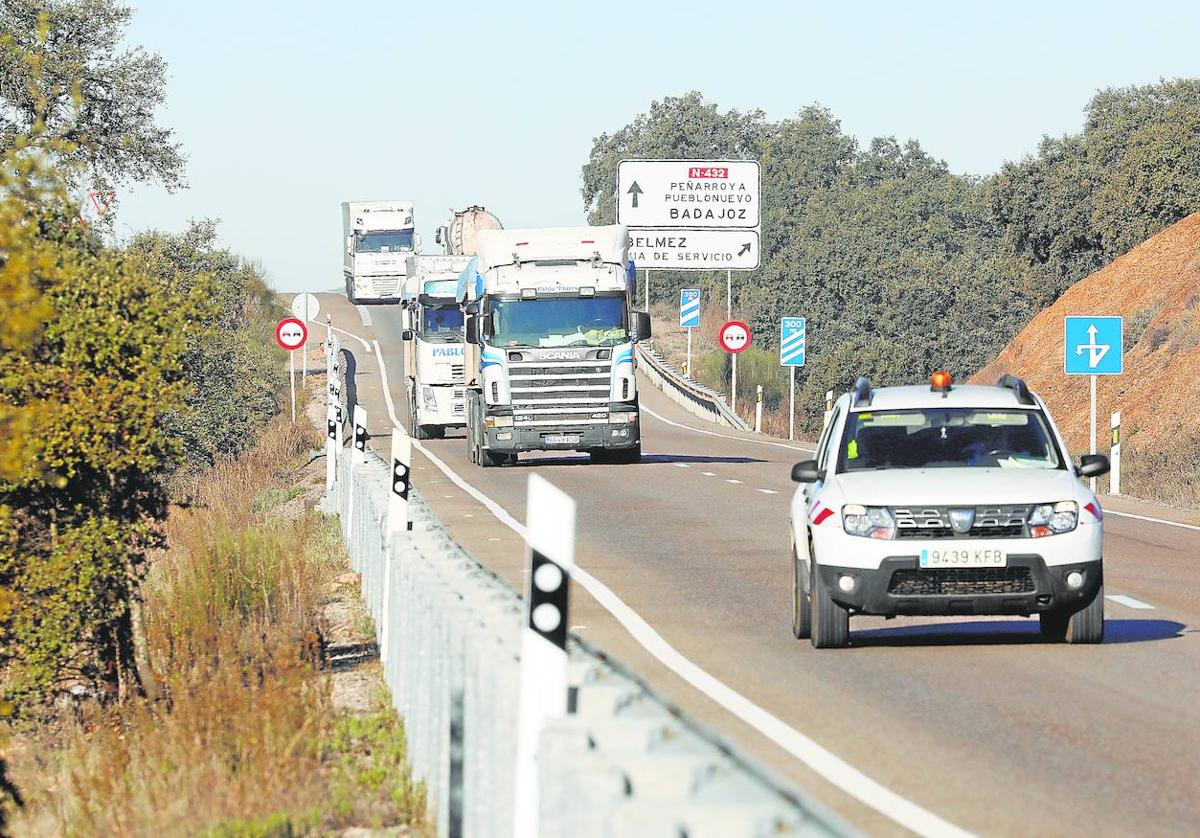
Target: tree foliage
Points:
(900, 265)
(67, 83)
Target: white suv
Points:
(945, 500)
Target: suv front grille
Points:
(961, 581)
(935, 522)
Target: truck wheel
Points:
(1083, 626)
(488, 460)
(801, 604)
(629, 456)
(830, 622)
(350, 293)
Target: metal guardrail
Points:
(622, 762)
(691, 395)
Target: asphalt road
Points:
(974, 720)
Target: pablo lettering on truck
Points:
(550, 330)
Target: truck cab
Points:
(433, 334)
(379, 238)
(551, 328)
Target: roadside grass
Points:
(238, 736)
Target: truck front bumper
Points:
(581, 438)
(1026, 585)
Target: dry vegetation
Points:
(241, 738)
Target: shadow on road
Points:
(1007, 632)
(647, 459)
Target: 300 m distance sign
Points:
(734, 336)
(291, 333)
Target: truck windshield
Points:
(947, 438)
(569, 321)
(384, 242)
(442, 325)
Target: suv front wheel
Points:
(801, 604)
(830, 622)
(1083, 626)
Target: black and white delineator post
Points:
(357, 457)
(550, 538)
(397, 512)
(332, 449)
(1114, 456)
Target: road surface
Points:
(972, 720)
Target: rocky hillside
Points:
(1156, 287)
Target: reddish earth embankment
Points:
(1156, 287)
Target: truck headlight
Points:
(623, 418)
(1053, 518)
(868, 521)
(429, 397)
(505, 421)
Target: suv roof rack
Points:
(1018, 387)
(862, 392)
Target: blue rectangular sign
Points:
(689, 307)
(792, 341)
(1094, 346)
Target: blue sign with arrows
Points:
(792, 340)
(689, 307)
(1094, 346)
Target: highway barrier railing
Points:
(691, 395)
(621, 760)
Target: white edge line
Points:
(363, 341)
(1129, 602)
(662, 418)
(830, 766)
(1182, 526)
(364, 316)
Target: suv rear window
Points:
(947, 438)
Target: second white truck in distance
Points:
(550, 330)
(433, 335)
(378, 239)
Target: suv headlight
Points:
(868, 521)
(1053, 518)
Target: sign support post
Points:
(733, 387)
(688, 368)
(292, 382)
(729, 295)
(1114, 456)
(792, 406)
(1092, 428)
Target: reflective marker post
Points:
(758, 410)
(357, 457)
(331, 445)
(1114, 456)
(550, 539)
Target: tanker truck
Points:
(458, 238)
(433, 345)
(550, 329)
(379, 238)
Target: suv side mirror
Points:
(641, 325)
(806, 471)
(407, 334)
(1093, 465)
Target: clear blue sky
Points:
(285, 109)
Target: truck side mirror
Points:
(406, 319)
(471, 329)
(407, 334)
(437, 235)
(641, 325)
(471, 307)
(349, 245)
(416, 241)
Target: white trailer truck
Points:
(433, 335)
(550, 330)
(378, 237)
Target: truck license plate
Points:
(562, 439)
(963, 557)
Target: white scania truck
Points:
(379, 238)
(550, 330)
(433, 335)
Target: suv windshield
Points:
(947, 438)
(442, 325)
(384, 242)
(567, 321)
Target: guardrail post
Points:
(331, 446)
(1114, 456)
(357, 458)
(543, 693)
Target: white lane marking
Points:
(364, 315)
(662, 418)
(709, 473)
(731, 480)
(1129, 602)
(830, 766)
(1153, 520)
(363, 341)
(768, 491)
(680, 465)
